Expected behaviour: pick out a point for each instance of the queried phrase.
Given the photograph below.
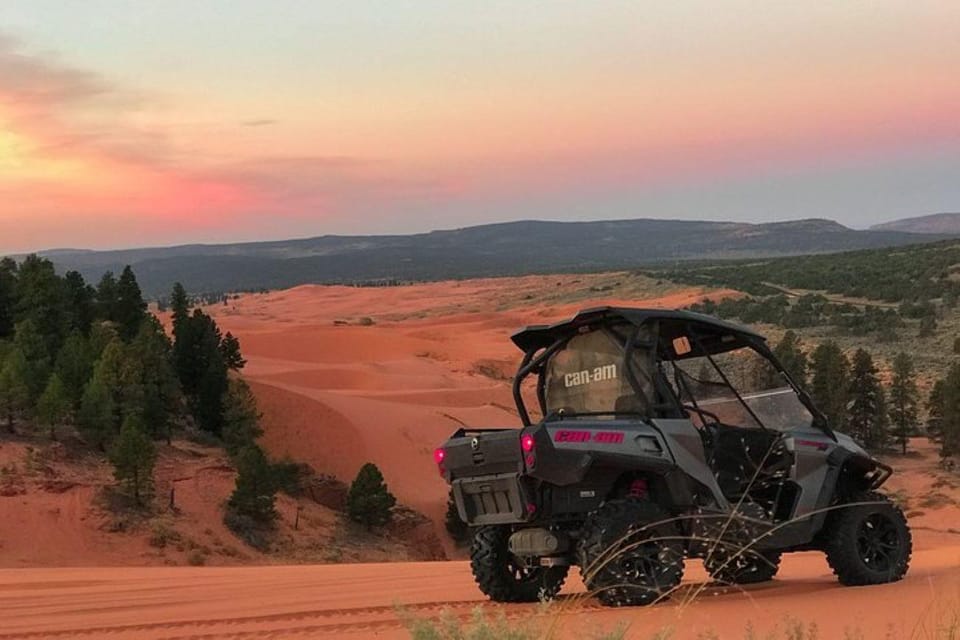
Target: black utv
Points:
(650, 436)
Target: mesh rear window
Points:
(587, 375)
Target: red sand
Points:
(358, 601)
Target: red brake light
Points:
(439, 455)
(526, 443)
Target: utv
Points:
(664, 435)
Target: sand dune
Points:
(346, 375)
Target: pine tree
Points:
(131, 308)
(110, 372)
(107, 298)
(255, 493)
(53, 406)
(230, 350)
(935, 409)
(14, 392)
(928, 326)
(42, 303)
(8, 296)
(29, 342)
(179, 307)
(80, 300)
(96, 417)
(182, 338)
(150, 386)
(867, 415)
(903, 399)
(368, 501)
(950, 423)
(74, 366)
(241, 420)
(133, 455)
(790, 354)
(829, 383)
(212, 380)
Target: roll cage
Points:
(672, 336)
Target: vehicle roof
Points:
(543, 335)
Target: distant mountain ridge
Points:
(939, 223)
(488, 250)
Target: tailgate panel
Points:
(495, 499)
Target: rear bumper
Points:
(503, 498)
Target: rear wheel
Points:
(502, 577)
(630, 553)
(868, 541)
(736, 566)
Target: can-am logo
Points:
(597, 374)
(600, 437)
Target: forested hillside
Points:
(513, 248)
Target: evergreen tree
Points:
(14, 392)
(74, 366)
(867, 416)
(255, 492)
(950, 423)
(107, 298)
(935, 409)
(102, 333)
(8, 296)
(110, 373)
(133, 455)
(241, 420)
(179, 307)
(130, 307)
(96, 418)
(928, 326)
(183, 339)
(30, 342)
(150, 386)
(829, 383)
(230, 350)
(212, 381)
(80, 300)
(41, 302)
(790, 354)
(53, 406)
(456, 527)
(903, 399)
(368, 501)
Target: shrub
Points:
(254, 533)
(368, 501)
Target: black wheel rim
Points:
(878, 542)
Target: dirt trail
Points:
(359, 601)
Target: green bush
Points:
(368, 501)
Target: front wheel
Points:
(868, 541)
(502, 577)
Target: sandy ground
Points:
(359, 601)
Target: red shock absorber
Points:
(638, 489)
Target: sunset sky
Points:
(149, 123)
